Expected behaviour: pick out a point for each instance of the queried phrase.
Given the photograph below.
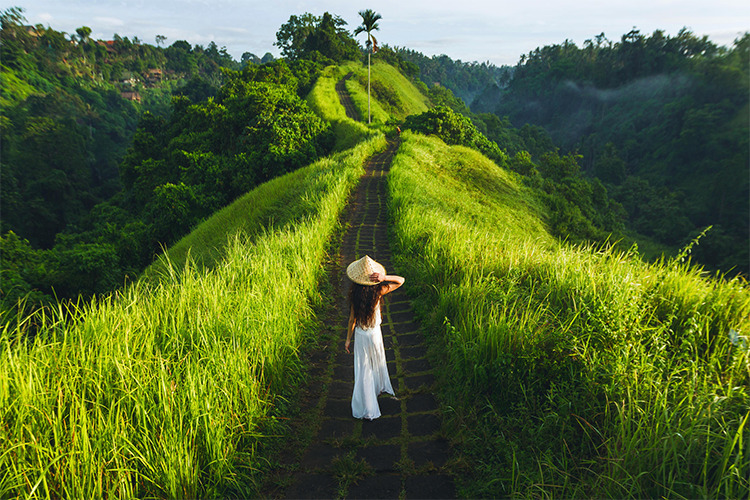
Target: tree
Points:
(160, 39)
(315, 38)
(249, 58)
(331, 40)
(292, 35)
(609, 167)
(171, 212)
(83, 37)
(83, 33)
(454, 128)
(12, 17)
(369, 24)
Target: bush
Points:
(454, 129)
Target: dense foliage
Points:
(70, 108)
(467, 80)
(568, 371)
(178, 171)
(662, 121)
(317, 38)
(87, 199)
(579, 207)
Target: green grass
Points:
(165, 388)
(324, 101)
(392, 95)
(571, 371)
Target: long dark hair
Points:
(363, 299)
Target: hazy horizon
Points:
(469, 31)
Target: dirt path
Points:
(345, 99)
(403, 453)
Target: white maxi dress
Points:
(370, 371)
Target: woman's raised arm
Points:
(393, 280)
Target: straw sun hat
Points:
(360, 270)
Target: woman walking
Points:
(369, 284)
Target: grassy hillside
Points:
(571, 371)
(392, 95)
(323, 100)
(166, 388)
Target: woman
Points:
(369, 284)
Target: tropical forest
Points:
(176, 224)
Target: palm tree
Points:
(369, 24)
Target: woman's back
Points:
(376, 320)
(369, 284)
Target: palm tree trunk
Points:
(369, 119)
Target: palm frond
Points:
(369, 21)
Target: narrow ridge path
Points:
(346, 99)
(402, 454)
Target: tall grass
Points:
(165, 388)
(324, 101)
(392, 95)
(574, 371)
(280, 202)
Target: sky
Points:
(468, 30)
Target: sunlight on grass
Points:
(165, 388)
(324, 101)
(392, 95)
(573, 371)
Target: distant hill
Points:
(70, 106)
(467, 80)
(662, 120)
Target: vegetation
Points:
(167, 387)
(570, 371)
(176, 172)
(70, 109)
(317, 38)
(661, 120)
(579, 209)
(467, 80)
(394, 95)
(570, 368)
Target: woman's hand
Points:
(346, 346)
(377, 277)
